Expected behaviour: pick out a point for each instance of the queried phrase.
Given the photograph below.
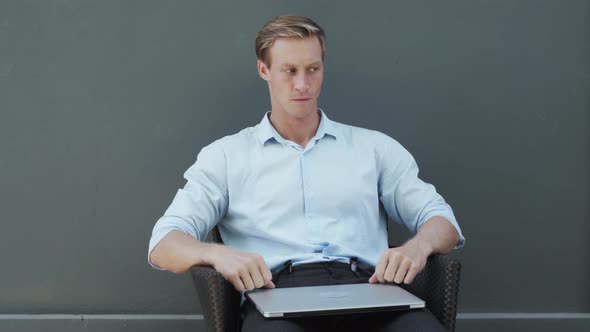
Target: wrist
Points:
(424, 245)
(209, 253)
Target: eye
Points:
(314, 69)
(290, 70)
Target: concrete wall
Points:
(104, 105)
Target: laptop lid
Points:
(332, 299)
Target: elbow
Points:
(157, 259)
(454, 241)
(176, 270)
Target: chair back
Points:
(216, 236)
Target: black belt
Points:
(354, 266)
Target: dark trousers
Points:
(335, 274)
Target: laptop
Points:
(332, 300)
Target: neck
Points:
(298, 130)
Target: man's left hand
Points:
(402, 264)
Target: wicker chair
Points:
(437, 284)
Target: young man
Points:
(299, 187)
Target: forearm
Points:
(178, 251)
(436, 235)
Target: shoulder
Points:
(367, 137)
(216, 155)
(245, 138)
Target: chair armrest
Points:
(219, 299)
(438, 286)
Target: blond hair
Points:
(286, 26)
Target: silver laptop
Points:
(332, 299)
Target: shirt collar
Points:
(266, 131)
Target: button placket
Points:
(306, 184)
(311, 224)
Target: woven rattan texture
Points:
(219, 300)
(438, 286)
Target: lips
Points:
(301, 99)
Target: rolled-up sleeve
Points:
(406, 198)
(203, 201)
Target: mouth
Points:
(300, 100)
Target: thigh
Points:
(405, 321)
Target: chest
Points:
(327, 176)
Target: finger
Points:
(237, 282)
(267, 283)
(255, 275)
(392, 266)
(412, 273)
(373, 279)
(390, 270)
(400, 274)
(253, 266)
(265, 272)
(257, 278)
(380, 268)
(247, 280)
(270, 285)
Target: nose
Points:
(301, 82)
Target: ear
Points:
(263, 70)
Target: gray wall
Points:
(104, 104)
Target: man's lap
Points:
(412, 320)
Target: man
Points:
(301, 188)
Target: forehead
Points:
(296, 51)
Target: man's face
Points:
(295, 75)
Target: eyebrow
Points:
(289, 65)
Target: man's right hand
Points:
(244, 270)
